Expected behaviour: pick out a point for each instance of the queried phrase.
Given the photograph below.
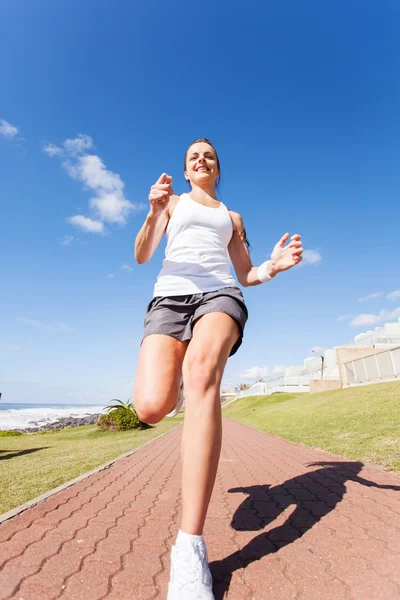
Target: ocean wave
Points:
(20, 418)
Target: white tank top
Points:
(196, 256)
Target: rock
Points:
(62, 423)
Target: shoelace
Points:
(189, 567)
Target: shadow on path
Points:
(313, 495)
(6, 454)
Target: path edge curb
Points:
(23, 507)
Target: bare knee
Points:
(148, 410)
(151, 408)
(201, 373)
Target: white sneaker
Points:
(179, 403)
(190, 575)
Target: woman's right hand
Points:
(160, 195)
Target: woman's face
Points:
(201, 165)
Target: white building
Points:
(297, 379)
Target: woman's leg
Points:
(157, 377)
(214, 335)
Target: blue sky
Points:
(302, 103)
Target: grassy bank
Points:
(33, 464)
(361, 423)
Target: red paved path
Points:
(284, 522)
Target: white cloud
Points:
(226, 384)
(370, 319)
(393, 295)
(7, 129)
(67, 240)
(108, 202)
(63, 327)
(31, 322)
(344, 318)
(365, 319)
(111, 276)
(253, 373)
(86, 223)
(79, 144)
(91, 170)
(317, 349)
(113, 208)
(52, 150)
(370, 296)
(70, 147)
(126, 268)
(278, 369)
(10, 347)
(311, 257)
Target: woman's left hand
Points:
(285, 257)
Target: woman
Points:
(193, 324)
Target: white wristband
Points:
(262, 273)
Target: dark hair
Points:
(206, 141)
(243, 235)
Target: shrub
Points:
(126, 418)
(107, 423)
(6, 433)
(120, 417)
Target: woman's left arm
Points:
(282, 257)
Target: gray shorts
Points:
(175, 315)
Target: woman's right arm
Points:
(156, 221)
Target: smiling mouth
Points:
(202, 169)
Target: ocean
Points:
(20, 416)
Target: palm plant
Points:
(121, 404)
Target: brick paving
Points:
(285, 522)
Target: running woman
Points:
(194, 322)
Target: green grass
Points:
(361, 423)
(32, 464)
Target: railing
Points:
(383, 366)
(295, 384)
(281, 384)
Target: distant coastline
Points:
(61, 424)
(31, 418)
